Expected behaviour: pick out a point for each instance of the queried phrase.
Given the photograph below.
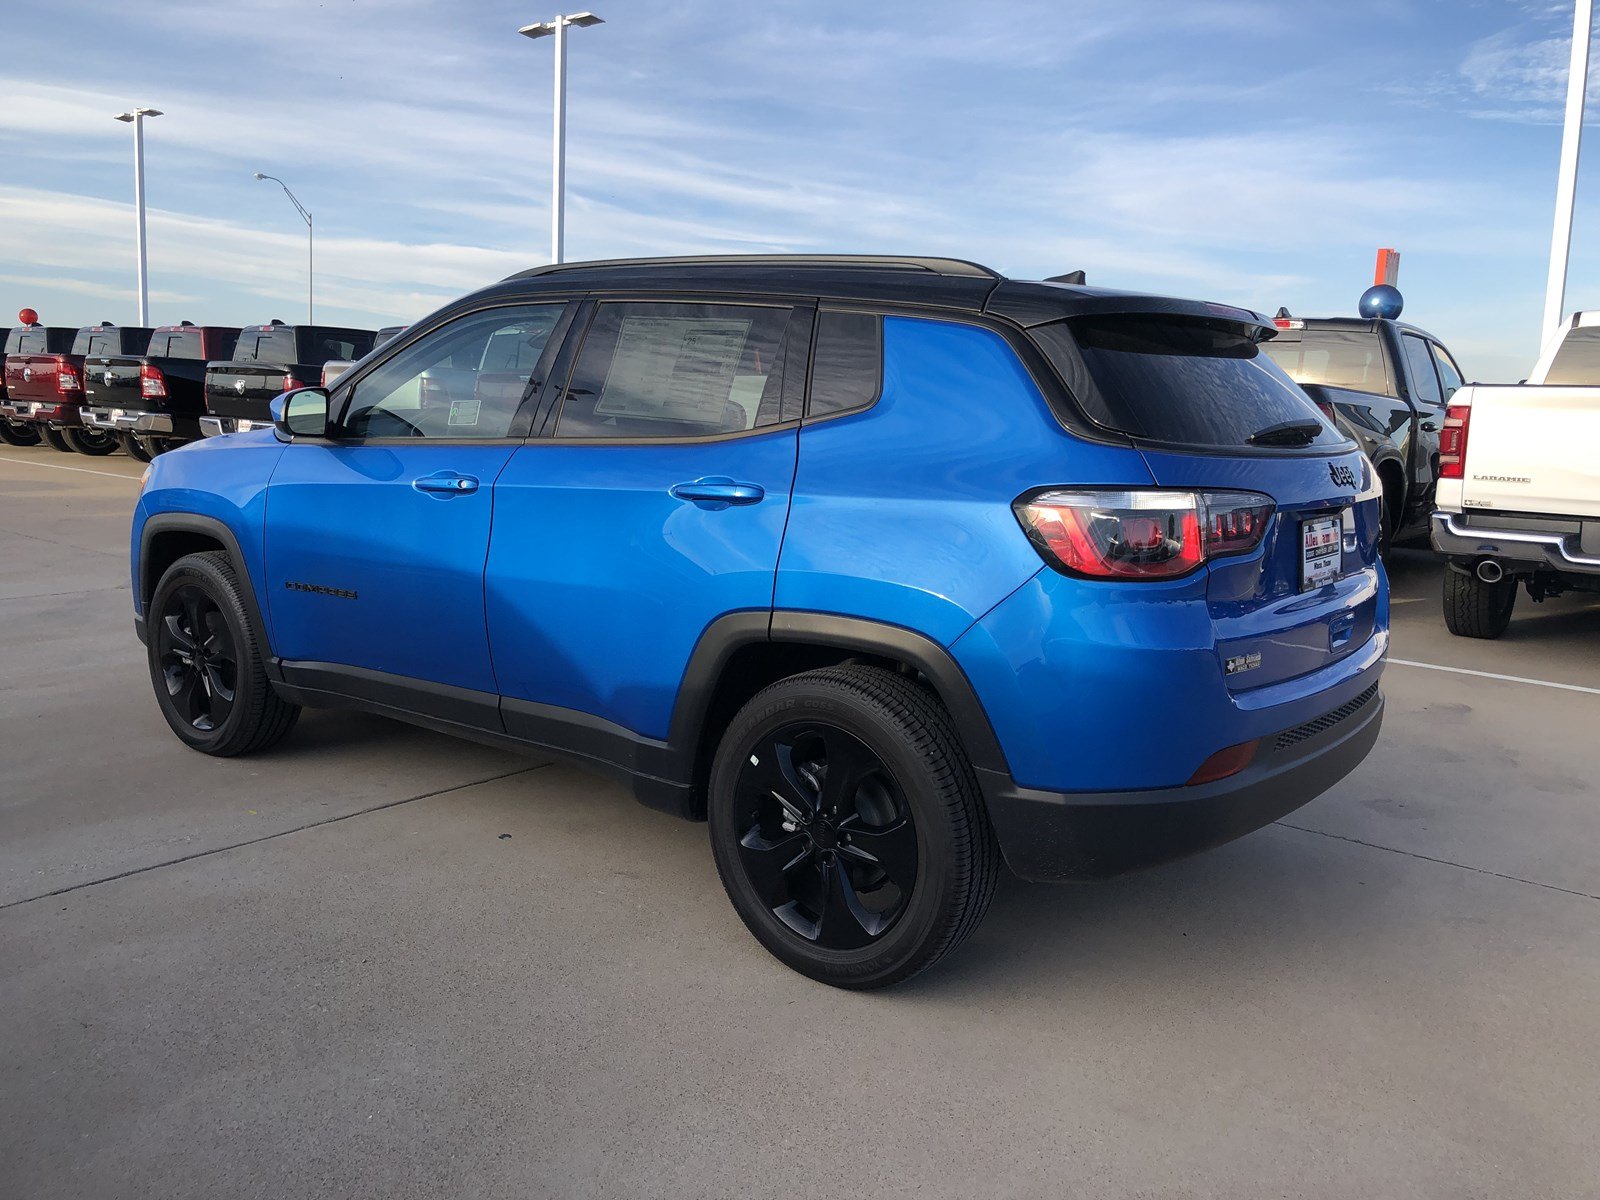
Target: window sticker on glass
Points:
(464, 412)
(673, 368)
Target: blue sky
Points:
(1254, 153)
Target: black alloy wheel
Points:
(847, 826)
(93, 442)
(207, 660)
(826, 836)
(18, 433)
(198, 657)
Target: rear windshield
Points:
(14, 340)
(183, 343)
(1189, 381)
(1341, 358)
(266, 346)
(1577, 362)
(97, 343)
(45, 341)
(320, 345)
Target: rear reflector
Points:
(1143, 534)
(1225, 762)
(1453, 441)
(152, 382)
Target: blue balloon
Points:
(1381, 301)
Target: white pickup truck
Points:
(1518, 499)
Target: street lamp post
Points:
(558, 174)
(136, 118)
(1555, 296)
(311, 251)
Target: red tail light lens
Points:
(1142, 534)
(67, 377)
(152, 383)
(290, 383)
(1453, 441)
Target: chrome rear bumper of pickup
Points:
(217, 426)
(1454, 535)
(119, 420)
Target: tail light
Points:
(67, 379)
(1148, 534)
(1326, 409)
(431, 391)
(152, 383)
(290, 383)
(1453, 441)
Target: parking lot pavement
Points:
(328, 971)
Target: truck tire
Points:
(1475, 609)
(16, 433)
(133, 448)
(847, 826)
(55, 439)
(94, 442)
(206, 662)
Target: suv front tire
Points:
(847, 826)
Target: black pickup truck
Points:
(153, 401)
(270, 359)
(1385, 384)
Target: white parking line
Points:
(1565, 687)
(22, 462)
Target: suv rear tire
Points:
(1475, 609)
(206, 663)
(864, 883)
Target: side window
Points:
(657, 370)
(847, 369)
(1424, 382)
(1447, 370)
(466, 379)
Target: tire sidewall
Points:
(198, 571)
(929, 904)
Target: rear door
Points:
(654, 504)
(1194, 392)
(376, 539)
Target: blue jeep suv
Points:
(888, 568)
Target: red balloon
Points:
(28, 317)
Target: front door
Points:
(376, 537)
(655, 504)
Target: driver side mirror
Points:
(301, 413)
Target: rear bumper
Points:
(121, 420)
(217, 426)
(1081, 836)
(41, 413)
(1455, 536)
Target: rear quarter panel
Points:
(902, 512)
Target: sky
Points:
(1247, 152)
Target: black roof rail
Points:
(883, 262)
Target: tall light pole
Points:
(558, 173)
(136, 118)
(311, 249)
(1555, 294)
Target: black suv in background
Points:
(1385, 384)
(152, 400)
(268, 360)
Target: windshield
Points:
(1341, 358)
(1189, 381)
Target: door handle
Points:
(1429, 427)
(445, 483)
(716, 492)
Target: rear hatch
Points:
(1209, 411)
(1531, 449)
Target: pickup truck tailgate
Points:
(1533, 449)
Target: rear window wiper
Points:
(1286, 433)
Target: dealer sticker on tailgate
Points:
(1320, 552)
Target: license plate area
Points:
(1321, 552)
